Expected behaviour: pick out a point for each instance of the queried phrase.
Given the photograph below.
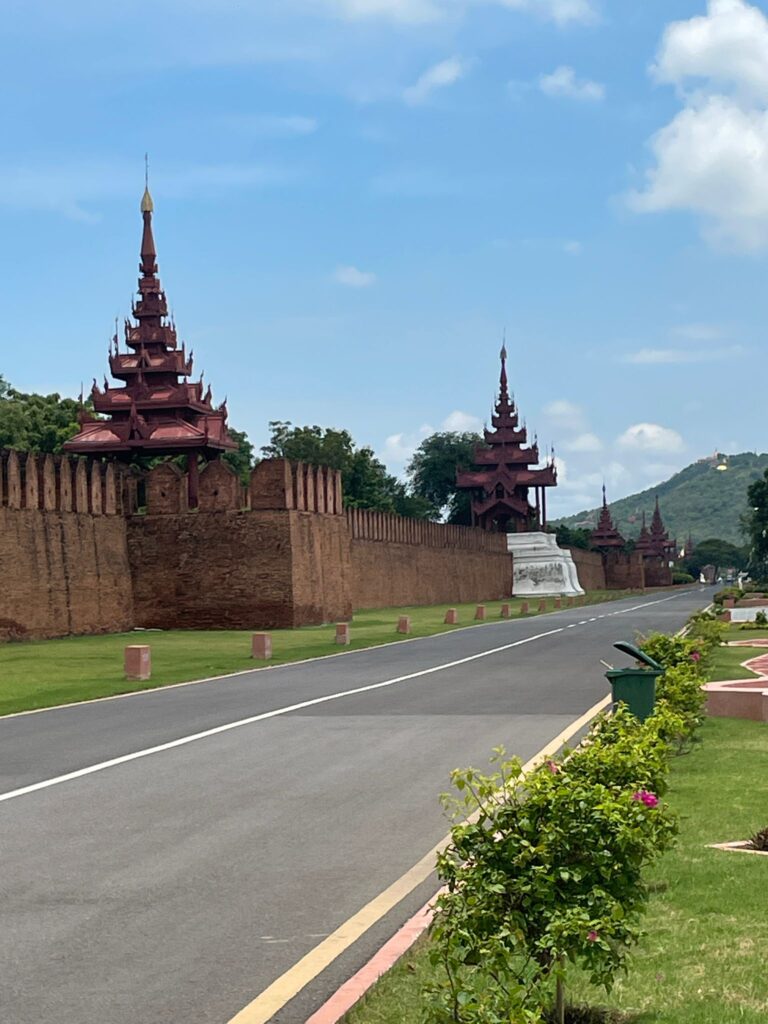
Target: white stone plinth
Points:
(540, 568)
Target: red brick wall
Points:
(387, 574)
(589, 565)
(63, 572)
(625, 571)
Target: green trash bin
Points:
(635, 686)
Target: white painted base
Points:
(540, 568)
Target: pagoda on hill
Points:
(605, 535)
(158, 410)
(502, 476)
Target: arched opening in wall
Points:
(141, 494)
(499, 491)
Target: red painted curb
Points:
(352, 991)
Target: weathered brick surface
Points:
(63, 573)
(212, 570)
(387, 574)
(589, 565)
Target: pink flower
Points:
(592, 936)
(649, 799)
(696, 656)
(553, 767)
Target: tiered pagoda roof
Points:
(605, 534)
(655, 543)
(158, 410)
(504, 471)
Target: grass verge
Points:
(702, 959)
(42, 673)
(727, 660)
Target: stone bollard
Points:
(506, 611)
(404, 624)
(524, 608)
(480, 613)
(138, 662)
(451, 617)
(558, 602)
(261, 646)
(542, 605)
(342, 634)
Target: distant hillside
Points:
(701, 499)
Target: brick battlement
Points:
(366, 524)
(51, 483)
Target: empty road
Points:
(164, 857)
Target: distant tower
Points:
(502, 478)
(605, 535)
(157, 411)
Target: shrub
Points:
(727, 592)
(761, 619)
(682, 577)
(551, 872)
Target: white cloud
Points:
(446, 73)
(419, 12)
(563, 82)
(565, 415)
(650, 437)
(712, 157)
(399, 448)
(573, 248)
(351, 277)
(272, 125)
(698, 332)
(462, 422)
(585, 442)
(728, 46)
(72, 189)
(671, 356)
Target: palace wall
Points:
(63, 552)
(590, 567)
(85, 548)
(397, 561)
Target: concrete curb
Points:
(352, 991)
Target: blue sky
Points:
(354, 198)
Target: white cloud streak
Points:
(351, 277)
(563, 82)
(439, 76)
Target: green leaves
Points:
(551, 867)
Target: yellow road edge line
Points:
(289, 984)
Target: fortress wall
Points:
(212, 570)
(589, 565)
(63, 573)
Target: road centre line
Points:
(229, 726)
(269, 1002)
(217, 730)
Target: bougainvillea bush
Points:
(550, 873)
(547, 868)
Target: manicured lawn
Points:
(702, 960)
(38, 674)
(727, 663)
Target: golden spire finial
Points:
(147, 206)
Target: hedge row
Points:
(548, 868)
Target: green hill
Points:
(700, 498)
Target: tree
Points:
(37, 423)
(241, 460)
(571, 536)
(432, 472)
(365, 480)
(756, 523)
(720, 553)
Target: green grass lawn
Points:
(39, 674)
(727, 663)
(702, 960)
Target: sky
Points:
(356, 200)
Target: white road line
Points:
(217, 730)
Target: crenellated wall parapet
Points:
(58, 483)
(367, 524)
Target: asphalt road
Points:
(173, 887)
